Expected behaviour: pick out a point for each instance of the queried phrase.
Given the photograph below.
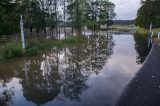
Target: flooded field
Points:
(94, 73)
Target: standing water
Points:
(94, 73)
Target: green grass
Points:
(143, 31)
(34, 47)
(11, 50)
(121, 27)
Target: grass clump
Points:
(141, 31)
(145, 32)
(10, 50)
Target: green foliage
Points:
(123, 22)
(8, 18)
(91, 13)
(106, 12)
(11, 50)
(39, 14)
(1, 58)
(14, 49)
(141, 31)
(35, 47)
(33, 50)
(149, 12)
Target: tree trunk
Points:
(31, 26)
(44, 23)
(72, 23)
(55, 7)
(64, 18)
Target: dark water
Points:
(86, 74)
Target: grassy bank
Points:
(143, 31)
(121, 27)
(34, 47)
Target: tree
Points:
(8, 17)
(148, 12)
(43, 14)
(91, 13)
(107, 13)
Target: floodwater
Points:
(93, 73)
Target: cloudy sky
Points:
(126, 9)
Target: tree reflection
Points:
(63, 73)
(84, 60)
(141, 46)
(6, 95)
(40, 80)
(7, 72)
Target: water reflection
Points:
(62, 73)
(39, 80)
(70, 75)
(6, 94)
(141, 46)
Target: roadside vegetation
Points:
(145, 32)
(148, 14)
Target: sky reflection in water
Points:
(89, 74)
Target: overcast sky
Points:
(126, 9)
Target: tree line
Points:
(123, 22)
(148, 13)
(53, 14)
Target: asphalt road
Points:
(144, 88)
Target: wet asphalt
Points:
(144, 88)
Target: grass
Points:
(143, 31)
(11, 50)
(14, 49)
(121, 27)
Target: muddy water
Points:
(93, 73)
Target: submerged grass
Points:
(34, 47)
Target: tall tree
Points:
(148, 12)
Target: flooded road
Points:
(94, 73)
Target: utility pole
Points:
(22, 33)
